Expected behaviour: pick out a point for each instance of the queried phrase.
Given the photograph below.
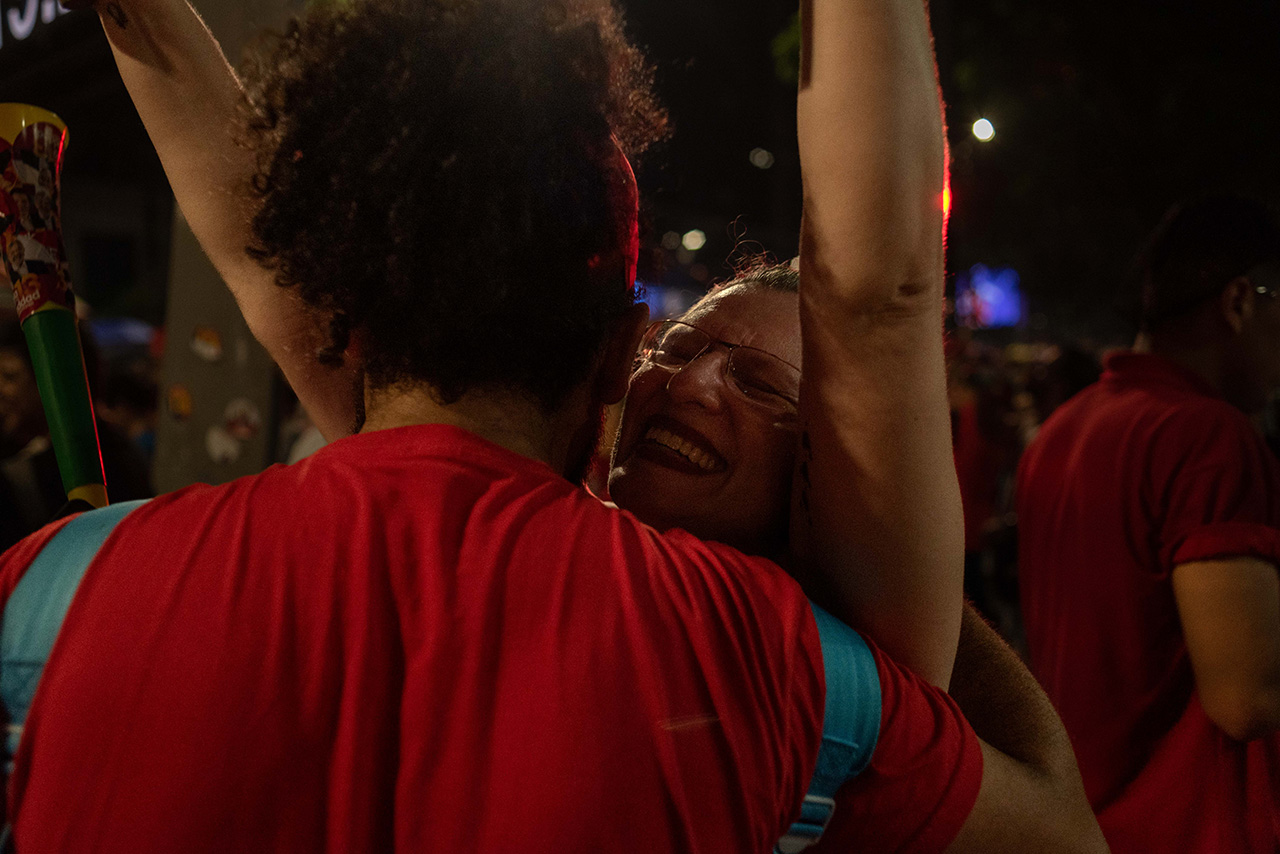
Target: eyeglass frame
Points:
(647, 348)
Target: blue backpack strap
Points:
(850, 727)
(34, 613)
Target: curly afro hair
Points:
(445, 176)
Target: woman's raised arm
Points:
(877, 516)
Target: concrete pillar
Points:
(218, 418)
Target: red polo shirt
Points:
(1145, 470)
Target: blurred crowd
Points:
(123, 382)
(1000, 393)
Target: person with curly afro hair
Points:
(479, 150)
(426, 636)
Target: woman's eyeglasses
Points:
(761, 378)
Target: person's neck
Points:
(1203, 360)
(511, 420)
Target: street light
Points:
(694, 240)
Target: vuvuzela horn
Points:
(32, 142)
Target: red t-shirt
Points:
(1143, 471)
(923, 778)
(418, 641)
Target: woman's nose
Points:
(700, 381)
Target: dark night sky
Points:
(1105, 112)
(715, 73)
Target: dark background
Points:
(1105, 113)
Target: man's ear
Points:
(1237, 303)
(620, 354)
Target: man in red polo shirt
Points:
(1149, 513)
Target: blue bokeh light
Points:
(989, 297)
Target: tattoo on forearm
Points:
(117, 14)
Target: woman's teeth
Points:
(683, 447)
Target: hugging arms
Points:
(876, 531)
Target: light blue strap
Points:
(34, 613)
(850, 727)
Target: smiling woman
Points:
(708, 437)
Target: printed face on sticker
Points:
(44, 208)
(23, 203)
(17, 255)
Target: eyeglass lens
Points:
(757, 375)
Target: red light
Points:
(946, 197)
(62, 147)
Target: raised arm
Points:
(187, 96)
(877, 513)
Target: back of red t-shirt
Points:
(1136, 474)
(416, 641)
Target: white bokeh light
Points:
(694, 240)
(984, 130)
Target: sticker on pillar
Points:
(242, 419)
(180, 402)
(206, 342)
(222, 446)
